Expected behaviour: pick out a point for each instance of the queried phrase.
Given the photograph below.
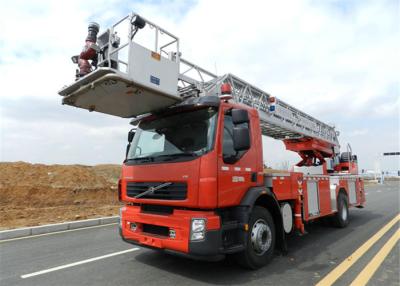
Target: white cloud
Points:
(358, 132)
(337, 60)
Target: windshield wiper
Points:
(164, 157)
(142, 159)
(168, 157)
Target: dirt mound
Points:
(32, 194)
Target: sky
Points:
(336, 60)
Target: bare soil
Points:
(36, 194)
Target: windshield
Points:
(171, 138)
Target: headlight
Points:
(198, 229)
(197, 236)
(198, 225)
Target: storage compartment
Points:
(352, 192)
(313, 198)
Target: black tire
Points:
(253, 257)
(341, 218)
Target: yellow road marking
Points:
(349, 261)
(373, 265)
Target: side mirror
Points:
(127, 150)
(131, 134)
(241, 138)
(239, 116)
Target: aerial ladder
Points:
(152, 79)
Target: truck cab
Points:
(186, 174)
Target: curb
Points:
(69, 225)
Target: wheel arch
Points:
(264, 197)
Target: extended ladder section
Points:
(279, 120)
(133, 78)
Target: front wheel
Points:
(261, 240)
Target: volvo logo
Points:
(152, 189)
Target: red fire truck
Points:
(193, 182)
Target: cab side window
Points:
(227, 150)
(229, 154)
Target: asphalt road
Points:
(97, 256)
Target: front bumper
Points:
(210, 248)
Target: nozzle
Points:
(93, 29)
(138, 22)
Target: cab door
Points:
(235, 168)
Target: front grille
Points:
(156, 209)
(175, 191)
(156, 229)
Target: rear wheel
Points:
(341, 218)
(261, 240)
